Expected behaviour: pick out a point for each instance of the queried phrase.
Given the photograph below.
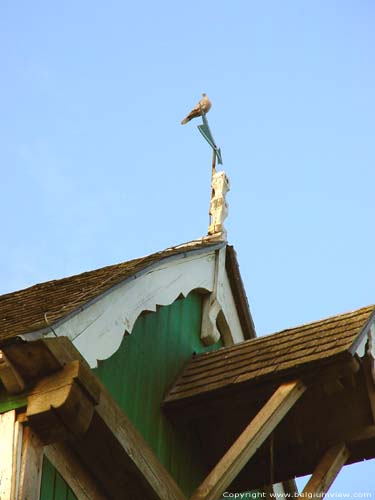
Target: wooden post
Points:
(326, 472)
(7, 430)
(249, 441)
(17, 450)
(31, 466)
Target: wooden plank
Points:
(31, 359)
(31, 465)
(11, 379)
(17, 450)
(7, 424)
(249, 441)
(290, 487)
(326, 472)
(74, 472)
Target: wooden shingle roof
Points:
(29, 310)
(270, 356)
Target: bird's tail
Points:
(185, 120)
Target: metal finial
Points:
(204, 129)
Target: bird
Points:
(203, 105)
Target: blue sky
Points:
(96, 168)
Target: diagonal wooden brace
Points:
(249, 441)
(326, 471)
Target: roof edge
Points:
(168, 258)
(360, 337)
(239, 293)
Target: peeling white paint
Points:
(98, 329)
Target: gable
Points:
(98, 325)
(36, 308)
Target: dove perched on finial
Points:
(203, 105)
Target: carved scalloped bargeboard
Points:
(97, 330)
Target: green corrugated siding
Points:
(138, 375)
(53, 486)
(140, 372)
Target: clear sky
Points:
(96, 168)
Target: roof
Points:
(38, 306)
(270, 356)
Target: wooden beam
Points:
(290, 487)
(74, 472)
(249, 441)
(61, 405)
(366, 433)
(31, 359)
(9, 376)
(121, 460)
(325, 473)
(31, 465)
(368, 369)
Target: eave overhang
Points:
(221, 392)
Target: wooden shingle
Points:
(270, 356)
(29, 310)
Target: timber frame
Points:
(246, 422)
(72, 420)
(225, 392)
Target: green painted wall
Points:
(141, 371)
(53, 486)
(138, 375)
(11, 401)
